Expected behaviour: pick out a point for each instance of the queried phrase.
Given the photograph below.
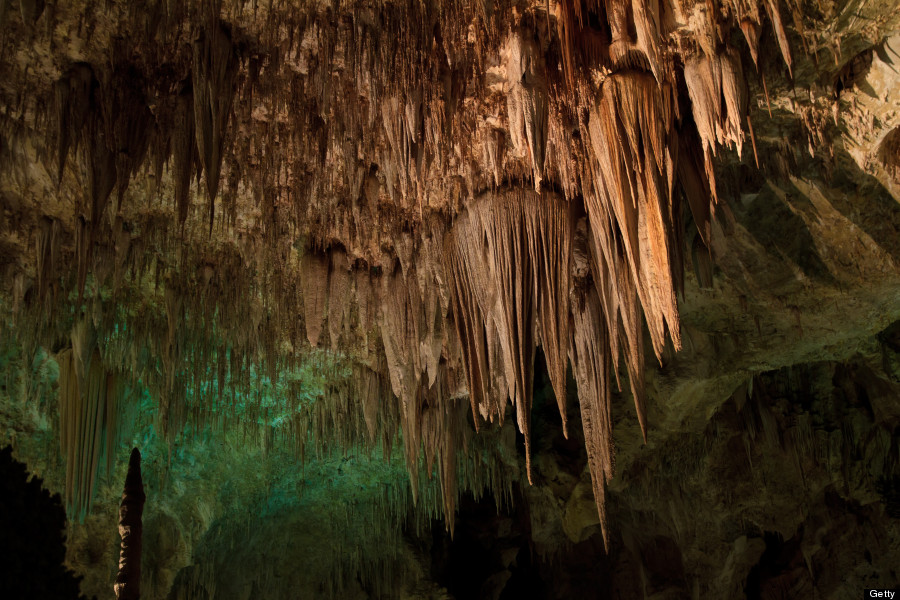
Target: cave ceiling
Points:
(666, 197)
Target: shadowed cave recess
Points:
(452, 299)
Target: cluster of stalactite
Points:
(375, 174)
(355, 504)
(89, 413)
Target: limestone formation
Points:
(210, 200)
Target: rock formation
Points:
(204, 202)
(128, 580)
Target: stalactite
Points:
(184, 151)
(774, 12)
(443, 427)
(514, 315)
(74, 99)
(102, 175)
(526, 101)
(719, 101)
(589, 353)
(752, 31)
(632, 138)
(508, 262)
(370, 393)
(314, 282)
(469, 280)
(89, 400)
(568, 12)
(550, 229)
(699, 189)
(46, 256)
(702, 260)
(31, 10)
(367, 302)
(401, 328)
(214, 73)
(172, 353)
(338, 296)
(128, 123)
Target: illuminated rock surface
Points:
(459, 300)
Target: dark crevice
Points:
(32, 537)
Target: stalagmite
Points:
(128, 580)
